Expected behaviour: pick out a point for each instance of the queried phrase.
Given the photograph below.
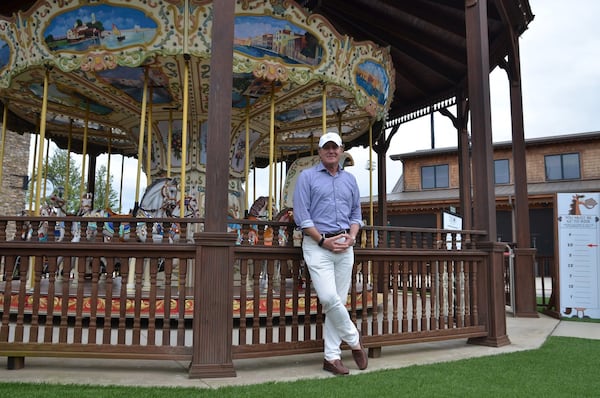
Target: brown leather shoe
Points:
(360, 357)
(336, 367)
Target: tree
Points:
(56, 172)
(101, 188)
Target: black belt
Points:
(343, 231)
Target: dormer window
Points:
(434, 176)
(562, 167)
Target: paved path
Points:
(524, 334)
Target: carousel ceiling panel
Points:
(101, 58)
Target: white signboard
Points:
(578, 239)
(453, 222)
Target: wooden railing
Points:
(128, 299)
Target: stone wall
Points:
(15, 168)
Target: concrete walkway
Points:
(524, 334)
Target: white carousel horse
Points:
(28, 231)
(160, 200)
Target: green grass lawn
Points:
(562, 367)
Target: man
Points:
(327, 208)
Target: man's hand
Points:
(340, 243)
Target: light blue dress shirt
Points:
(328, 203)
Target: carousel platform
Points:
(80, 295)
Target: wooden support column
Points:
(460, 122)
(492, 289)
(213, 296)
(491, 305)
(382, 216)
(464, 161)
(91, 176)
(525, 304)
(381, 146)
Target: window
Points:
(501, 171)
(562, 167)
(434, 176)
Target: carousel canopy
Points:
(362, 61)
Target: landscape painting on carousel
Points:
(4, 54)
(131, 81)
(67, 97)
(265, 36)
(372, 78)
(111, 27)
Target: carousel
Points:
(132, 78)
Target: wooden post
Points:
(492, 312)
(213, 311)
(525, 303)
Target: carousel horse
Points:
(160, 200)
(28, 231)
(91, 231)
(259, 211)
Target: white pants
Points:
(331, 275)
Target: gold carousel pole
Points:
(141, 138)
(46, 166)
(254, 185)
(184, 127)
(121, 184)
(186, 94)
(107, 190)
(247, 152)
(84, 152)
(42, 139)
(271, 150)
(281, 181)
(4, 116)
(35, 155)
(169, 143)
(324, 110)
(275, 169)
(68, 168)
(371, 183)
(149, 138)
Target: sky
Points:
(561, 93)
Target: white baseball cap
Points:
(333, 137)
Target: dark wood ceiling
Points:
(427, 40)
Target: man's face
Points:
(330, 154)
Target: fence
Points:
(127, 299)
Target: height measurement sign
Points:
(578, 240)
